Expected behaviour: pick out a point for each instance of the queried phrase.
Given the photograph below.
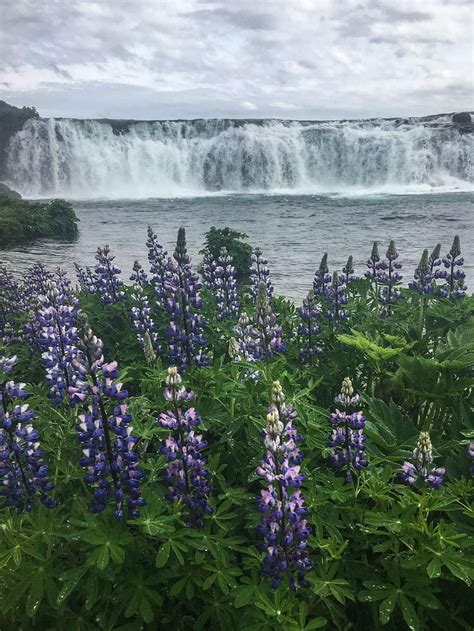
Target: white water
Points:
(86, 159)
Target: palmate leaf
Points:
(458, 346)
(388, 428)
(373, 351)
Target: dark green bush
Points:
(22, 220)
(233, 241)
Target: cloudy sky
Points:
(237, 58)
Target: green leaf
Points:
(163, 554)
(458, 570)
(409, 613)
(387, 606)
(369, 596)
(433, 568)
(100, 557)
(117, 553)
(73, 578)
(146, 610)
(36, 593)
(244, 595)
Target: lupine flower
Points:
(348, 271)
(266, 324)
(470, 453)
(108, 281)
(453, 275)
(86, 278)
(424, 282)
(435, 260)
(186, 474)
(148, 350)
(347, 438)
(389, 278)
(35, 279)
(322, 278)
(23, 472)
(420, 468)
(208, 272)
(259, 274)
(308, 329)
(11, 307)
(248, 344)
(142, 318)
(283, 525)
(104, 432)
(372, 263)
(185, 331)
(220, 278)
(158, 259)
(336, 297)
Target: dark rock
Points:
(7, 193)
(462, 117)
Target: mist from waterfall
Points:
(93, 158)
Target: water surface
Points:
(294, 231)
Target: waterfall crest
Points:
(93, 158)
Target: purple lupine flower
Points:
(470, 453)
(389, 277)
(283, 524)
(220, 278)
(186, 474)
(158, 259)
(23, 472)
(57, 337)
(372, 263)
(142, 318)
(347, 438)
(35, 279)
(336, 297)
(248, 345)
(87, 279)
(420, 468)
(11, 307)
(435, 260)
(322, 277)
(453, 275)
(104, 430)
(348, 271)
(267, 326)
(308, 329)
(185, 331)
(208, 272)
(109, 285)
(259, 274)
(423, 282)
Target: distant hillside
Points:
(11, 120)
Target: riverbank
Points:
(22, 221)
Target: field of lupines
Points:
(192, 452)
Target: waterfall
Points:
(94, 158)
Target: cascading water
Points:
(92, 158)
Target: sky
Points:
(297, 59)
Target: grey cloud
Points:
(209, 58)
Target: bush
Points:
(233, 240)
(23, 220)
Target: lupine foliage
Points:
(158, 527)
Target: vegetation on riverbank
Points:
(21, 221)
(254, 491)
